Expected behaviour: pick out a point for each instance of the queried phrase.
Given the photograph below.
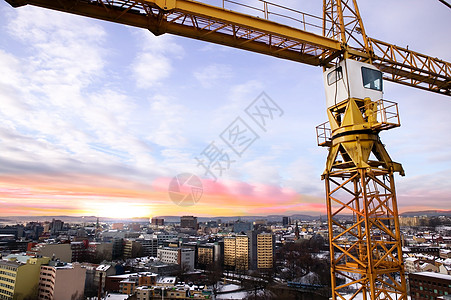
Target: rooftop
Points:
(20, 258)
(435, 275)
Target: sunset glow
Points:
(97, 118)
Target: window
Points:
(372, 79)
(334, 76)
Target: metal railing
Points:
(387, 114)
(324, 134)
(380, 114)
(278, 13)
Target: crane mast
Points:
(359, 179)
(366, 252)
(359, 175)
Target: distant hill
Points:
(270, 218)
(66, 219)
(427, 213)
(168, 219)
(176, 219)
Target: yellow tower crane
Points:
(359, 173)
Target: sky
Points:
(99, 118)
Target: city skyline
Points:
(98, 118)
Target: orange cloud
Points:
(115, 197)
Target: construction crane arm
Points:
(231, 28)
(411, 68)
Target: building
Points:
(409, 221)
(157, 221)
(134, 227)
(163, 269)
(428, 267)
(429, 285)
(265, 251)
(78, 251)
(102, 272)
(242, 252)
(8, 242)
(16, 230)
(184, 257)
(285, 221)
(56, 226)
(188, 222)
(149, 245)
(73, 252)
(62, 281)
(112, 283)
(205, 255)
(118, 248)
(411, 264)
(128, 285)
(62, 252)
(162, 237)
(229, 252)
(98, 252)
(208, 254)
(19, 276)
(132, 249)
(176, 292)
(240, 226)
(117, 226)
(252, 249)
(236, 252)
(90, 287)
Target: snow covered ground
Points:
(231, 291)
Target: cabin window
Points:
(334, 76)
(372, 79)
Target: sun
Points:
(123, 210)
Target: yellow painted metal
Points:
(342, 22)
(366, 250)
(411, 68)
(231, 28)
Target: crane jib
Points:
(231, 28)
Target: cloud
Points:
(153, 63)
(427, 190)
(93, 120)
(64, 49)
(60, 112)
(150, 68)
(299, 176)
(213, 75)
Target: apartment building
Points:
(184, 257)
(265, 251)
(132, 249)
(236, 252)
(19, 276)
(229, 251)
(429, 285)
(60, 281)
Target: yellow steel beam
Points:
(411, 68)
(203, 22)
(226, 27)
(231, 17)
